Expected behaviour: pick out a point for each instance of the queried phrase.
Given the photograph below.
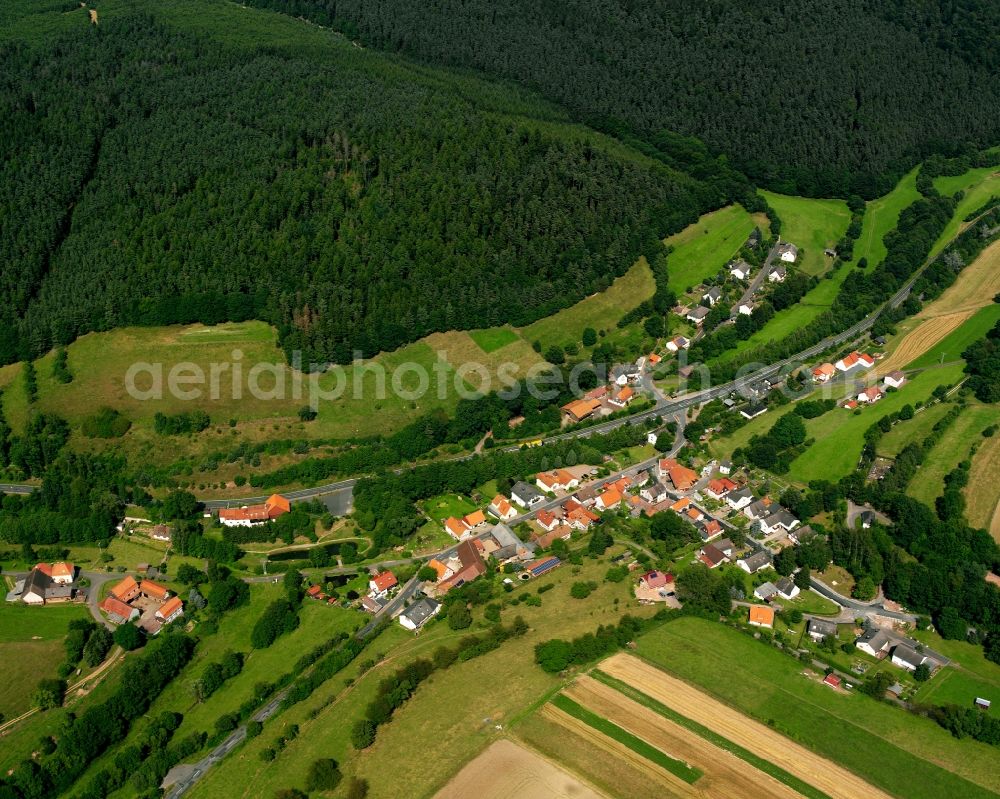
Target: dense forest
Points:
(151, 175)
(817, 97)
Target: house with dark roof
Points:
(527, 496)
(906, 657)
(712, 556)
(697, 315)
(712, 296)
(765, 591)
(818, 629)
(787, 589)
(873, 641)
(754, 563)
(419, 613)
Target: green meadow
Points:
(881, 216)
(811, 225)
(702, 249)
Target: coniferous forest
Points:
(815, 97)
(155, 175)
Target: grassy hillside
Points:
(702, 249)
(812, 226)
(881, 216)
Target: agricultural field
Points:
(702, 249)
(506, 770)
(31, 648)
(953, 448)
(812, 226)
(881, 216)
(461, 734)
(896, 752)
(983, 507)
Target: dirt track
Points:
(505, 771)
(834, 780)
(724, 773)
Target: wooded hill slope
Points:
(815, 97)
(198, 161)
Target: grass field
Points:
(840, 434)
(881, 216)
(460, 732)
(982, 505)
(953, 448)
(979, 186)
(811, 602)
(623, 736)
(969, 675)
(599, 311)
(898, 752)
(31, 649)
(702, 249)
(811, 225)
(493, 339)
(913, 431)
(441, 507)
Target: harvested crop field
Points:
(975, 287)
(724, 773)
(828, 777)
(983, 509)
(922, 338)
(505, 770)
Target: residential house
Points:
(712, 556)
(474, 520)
(381, 584)
(678, 343)
(682, 477)
(581, 409)
(754, 239)
(371, 605)
(753, 410)
(894, 379)
(654, 359)
(781, 519)
(126, 590)
(718, 488)
(697, 315)
(525, 495)
(760, 509)
(609, 499)
(664, 466)
(622, 397)
(823, 372)
(870, 395)
(752, 564)
(314, 591)
(725, 546)
(788, 253)
(657, 581)
(906, 657)
(787, 589)
(654, 492)
(873, 641)
(118, 612)
(855, 360)
(581, 518)
(442, 570)
(818, 629)
(643, 478)
(867, 519)
(709, 530)
(419, 613)
(801, 535)
(694, 514)
(681, 505)
(725, 467)
(739, 269)
(502, 509)
(777, 274)
(739, 499)
(548, 481)
(547, 520)
(161, 532)
(62, 573)
(559, 531)
(761, 616)
(765, 591)
(172, 609)
(712, 296)
(456, 527)
(470, 566)
(745, 308)
(625, 373)
(849, 404)
(252, 515)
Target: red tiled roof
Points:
(155, 590)
(116, 607)
(172, 605)
(125, 587)
(384, 581)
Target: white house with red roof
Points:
(252, 515)
(870, 395)
(381, 584)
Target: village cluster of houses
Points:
(147, 603)
(854, 363)
(46, 584)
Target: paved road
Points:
(97, 579)
(755, 283)
(863, 608)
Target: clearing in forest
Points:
(812, 226)
(702, 249)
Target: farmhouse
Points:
(251, 515)
(558, 532)
(788, 253)
(581, 409)
(118, 612)
(894, 379)
(152, 590)
(419, 613)
(823, 372)
(501, 508)
(126, 590)
(855, 360)
(470, 566)
(697, 315)
(172, 609)
(682, 477)
(622, 397)
(755, 562)
(456, 527)
(41, 588)
(761, 616)
(525, 495)
(380, 585)
(507, 545)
